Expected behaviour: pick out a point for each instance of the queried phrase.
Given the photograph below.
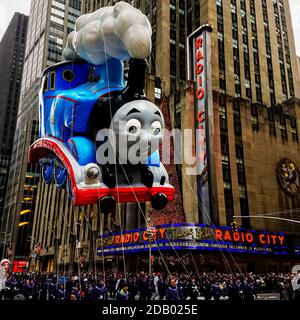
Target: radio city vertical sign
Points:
(199, 71)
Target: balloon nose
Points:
(145, 138)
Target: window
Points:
(224, 144)
(221, 61)
(173, 34)
(244, 212)
(228, 204)
(226, 173)
(294, 129)
(173, 68)
(239, 151)
(173, 16)
(254, 117)
(271, 118)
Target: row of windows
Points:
(285, 84)
(269, 54)
(256, 61)
(176, 47)
(239, 145)
(240, 161)
(75, 4)
(228, 197)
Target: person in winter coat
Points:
(161, 287)
(29, 290)
(235, 290)
(123, 294)
(207, 289)
(193, 290)
(60, 293)
(216, 291)
(249, 291)
(99, 292)
(284, 290)
(173, 292)
(132, 288)
(143, 286)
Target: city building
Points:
(48, 26)
(255, 89)
(255, 143)
(12, 52)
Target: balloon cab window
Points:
(52, 82)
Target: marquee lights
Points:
(195, 236)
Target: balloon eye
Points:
(133, 129)
(156, 128)
(133, 126)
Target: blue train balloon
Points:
(77, 101)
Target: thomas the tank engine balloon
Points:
(87, 96)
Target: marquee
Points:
(193, 237)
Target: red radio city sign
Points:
(199, 68)
(200, 105)
(249, 237)
(134, 237)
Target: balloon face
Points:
(138, 128)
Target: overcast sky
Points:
(8, 7)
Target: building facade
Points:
(49, 23)
(253, 68)
(12, 52)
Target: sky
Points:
(7, 10)
(8, 7)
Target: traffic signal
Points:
(234, 226)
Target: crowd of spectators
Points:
(142, 286)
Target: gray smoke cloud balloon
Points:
(119, 32)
